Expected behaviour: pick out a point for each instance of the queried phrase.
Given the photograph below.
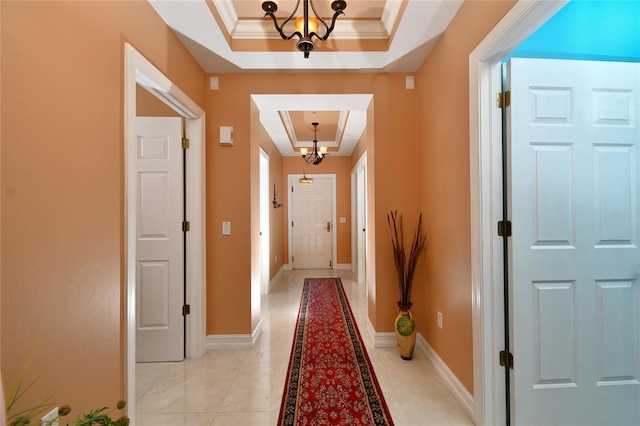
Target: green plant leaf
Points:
(405, 325)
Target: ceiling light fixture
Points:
(305, 24)
(315, 157)
(304, 180)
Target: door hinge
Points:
(291, 259)
(506, 359)
(503, 99)
(186, 310)
(331, 264)
(186, 226)
(504, 228)
(185, 143)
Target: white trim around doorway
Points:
(138, 70)
(485, 124)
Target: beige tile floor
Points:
(244, 387)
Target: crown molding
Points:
(349, 29)
(227, 13)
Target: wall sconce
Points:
(275, 203)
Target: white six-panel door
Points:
(312, 226)
(574, 204)
(159, 243)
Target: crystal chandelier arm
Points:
(280, 28)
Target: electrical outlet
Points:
(439, 320)
(50, 419)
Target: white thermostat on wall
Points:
(226, 135)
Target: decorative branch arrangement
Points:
(405, 267)
(275, 203)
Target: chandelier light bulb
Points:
(313, 24)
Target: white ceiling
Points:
(417, 23)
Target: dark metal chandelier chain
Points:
(314, 157)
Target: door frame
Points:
(334, 236)
(138, 70)
(485, 149)
(265, 204)
(358, 215)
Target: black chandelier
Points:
(315, 157)
(305, 24)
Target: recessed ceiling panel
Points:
(345, 117)
(360, 9)
(327, 129)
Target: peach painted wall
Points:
(359, 149)
(62, 188)
(443, 180)
(147, 105)
(341, 167)
(1, 380)
(392, 170)
(230, 182)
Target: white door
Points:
(312, 227)
(573, 202)
(159, 243)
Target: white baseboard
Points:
(234, 341)
(450, 380)
(275, 279)
(383, 339)
(462, 395)
(342, 267)
(337, 267)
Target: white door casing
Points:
(361, 220)
(159, 241)
(312, 222)
(487, 405)
(265, 207)
(574, 203)
(138, 70)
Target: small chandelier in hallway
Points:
(305, 24)
(314, 157)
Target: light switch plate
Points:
(226, 228)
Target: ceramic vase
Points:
(405, 334)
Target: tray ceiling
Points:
(233, 36)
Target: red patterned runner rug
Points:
(330, 380)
